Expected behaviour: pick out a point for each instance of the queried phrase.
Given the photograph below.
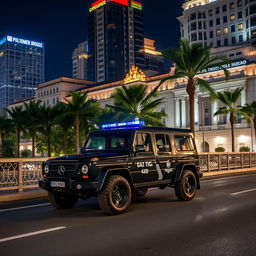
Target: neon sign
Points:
(12, 39)
(123, 2)
(97, 4)
(136, 5)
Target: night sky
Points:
(62, 24)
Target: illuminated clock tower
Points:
(115, 38)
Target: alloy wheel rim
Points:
(189, 185)
(119, 195)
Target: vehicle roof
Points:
(146, 128)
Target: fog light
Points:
(79, 186)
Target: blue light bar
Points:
(129, 124)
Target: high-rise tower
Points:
(115, 38)
(21, 69)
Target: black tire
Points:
(115, 196)
(62, 200)
(141, 192)
(185, 188)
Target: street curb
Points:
(209, 175)
(23, 196)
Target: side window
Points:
(163, 143)
(184, 143)
(144, 139)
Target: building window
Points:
(193, 16)
(240, 26)
(225, 19)
(210, 12)
(200, 36)
(210, 23)
(241, 39)
(217, 11)
(253, 33)
(239, 15)
(233, 40)
(193, 26)
(225, 42)
(211, 34)
(200, 25)
(232, 6)
(193, 37)
(239, 3)
(224, 8)
(232, 17)
(218, 21)
(218, 43)
(233, 28)
(218, 32)
(225, 30)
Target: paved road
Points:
(221, 220)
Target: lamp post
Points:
(203, 126)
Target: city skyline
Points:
(66, 25)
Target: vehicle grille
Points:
(70, 169)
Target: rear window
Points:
(184, 143)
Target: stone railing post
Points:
(20, 178)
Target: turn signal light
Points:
(94, 159)
(85, 177)
(45, 176)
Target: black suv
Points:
(121, 162)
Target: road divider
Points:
(30, 234)
(243, 192)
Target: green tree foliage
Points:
(190, 61)
(134, 102)
(230, 100)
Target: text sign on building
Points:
(24, 41)
(225, 66)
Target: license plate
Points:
(57, 184)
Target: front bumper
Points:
(70, 185)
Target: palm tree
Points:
(17, 115)
(134, 102)
(190, 61)
(250, 111)
(32, 121)
(5, 130)
(47, 116)
(230, 101)
(82, 111)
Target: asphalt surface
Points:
(221, 220)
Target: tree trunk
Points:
(77, 135)
(232, 131)
(191, 93)
(49, 142)
(33, 145)
(18, 142)
(2, 143)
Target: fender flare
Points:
(179, 170)
(119, 171)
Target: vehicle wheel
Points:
(141, 192)
(185, 188)
(62, 200)
(115, 197)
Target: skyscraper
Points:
(80, 61)
(219, 22)
(21, 69)
(115, 38)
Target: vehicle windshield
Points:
(109, 141)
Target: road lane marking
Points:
(242, 192)
(24, 207)
(30, 234)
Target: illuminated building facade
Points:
(115, 38)
(80, 61)
(219, 22)
(154, 61)
(21, 69)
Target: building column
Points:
(214, 109)
(177, 113)
(183, 113)
(196, 113)
(243, 97)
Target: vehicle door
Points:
(143, 161)
(165, 160)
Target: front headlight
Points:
(46, 168)
(84, 169)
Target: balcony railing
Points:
(22, 173)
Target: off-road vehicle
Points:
(121, 162)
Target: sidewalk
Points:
(39, 193)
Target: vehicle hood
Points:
(89, 155)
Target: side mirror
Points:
(82, 151)
(140, 148)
